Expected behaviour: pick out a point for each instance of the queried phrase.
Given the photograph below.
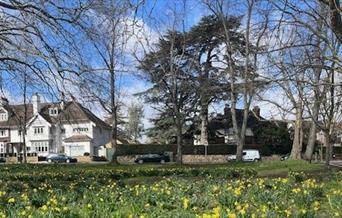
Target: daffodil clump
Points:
(99, 193)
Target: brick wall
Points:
(83, 159)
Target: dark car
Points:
(2, 160)
(153, 158)
(60, 158)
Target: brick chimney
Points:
(36, 103)
(226, 110)
(62, 103)
(256, 111)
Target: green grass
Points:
(263, 168)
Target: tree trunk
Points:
(114, 138)
(25, 117)
(114, 133)
(297, 141)
(204, 123)
(311, 143)
(179, 140)
(239, 145)
(328, 147)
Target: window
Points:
(80, 129)
(62, 131)
(2, 148)
(2, 132)
(3, 116)
(53, 111)
(38, 130)
(40, 146)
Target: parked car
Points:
(60, 158)
(285, 157)
(2, 160)
(247, 155)
(153, 158)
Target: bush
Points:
(41, 158)
(86, 154)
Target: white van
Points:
(247, 155)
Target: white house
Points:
(63, 127)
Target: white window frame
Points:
(80, 129)
(38, 130)
(53, 111)
(3, 116)
(40, 146)
(2, 148)
(3, 132)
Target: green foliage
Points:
(134, 126)
(273, 137)
(185, 74)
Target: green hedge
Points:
(336, 150)
(214, 149)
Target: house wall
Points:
(15, 137)
(45, 135)
(69, 129)
(35, 140)
(78, 148)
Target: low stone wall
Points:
(11, 160)
(83, 159)
(32, 159)
(209, 159)
(271, 158)
(127, 159)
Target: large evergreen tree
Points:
(169, 72)
(205, 56)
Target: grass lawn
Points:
(264, 189)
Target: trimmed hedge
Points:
(336, 150)
(214, 149)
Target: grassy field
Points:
(266, 189)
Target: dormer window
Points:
(3, 116)
(53, 111)
(80, 129)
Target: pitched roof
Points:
(224, 121)
(16, 115)
(78, 138)
(73, 112)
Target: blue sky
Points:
(154, 17)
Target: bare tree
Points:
(38, 35)
(335, 12)
(312, 53)
(106, 27)
(242, 77)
